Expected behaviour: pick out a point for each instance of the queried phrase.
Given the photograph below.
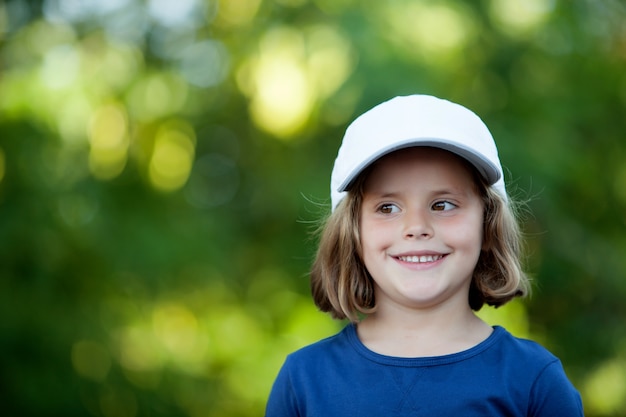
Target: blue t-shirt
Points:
(501, 376)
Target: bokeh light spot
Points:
(172, 157)
(174, 13)
(115, 64)
(293, 71)
(330, 61)
(91, 360)
(61, 67)
(139, 350)
(72, 119)
(176, 327)
(109, 142)
(519, 17)
(282, 104)
(430, 30)
(233, 330)
(130, 26)
(157, 95)
(204, 64)
(605, 388)
(41, 37)
(282, 95)
(237, 12)
(78, 10)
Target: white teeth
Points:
(420, 259)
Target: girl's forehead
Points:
(421, 170)
(421, 162)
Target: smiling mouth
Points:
(420, 259)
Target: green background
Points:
(163, 165)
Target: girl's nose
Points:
(417, 225)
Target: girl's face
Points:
(421, 229)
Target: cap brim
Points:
(485, 167)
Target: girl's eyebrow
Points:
(451, 191)
(385, 194)
(433, 193)
(382, 195)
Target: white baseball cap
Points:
(415, 120)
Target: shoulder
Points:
(326, 349)
(524, 351)
(547, 386)
(523, 360)
(299, 377)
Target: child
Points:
(421, 236)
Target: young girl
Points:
(421, 236)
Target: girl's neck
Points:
(422, 334)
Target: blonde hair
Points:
(342, 286)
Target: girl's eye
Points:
(443, 206)
(388, 208)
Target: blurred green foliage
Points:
(163, 164)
